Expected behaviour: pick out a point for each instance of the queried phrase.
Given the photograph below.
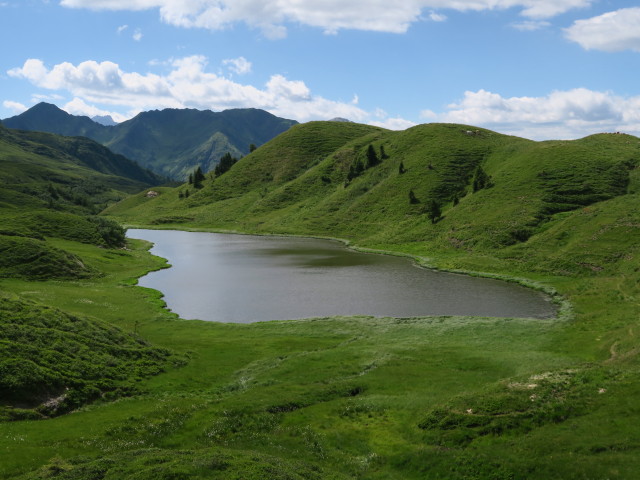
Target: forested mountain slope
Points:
(171, 142)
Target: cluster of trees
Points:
(196, 178)
(481, 179)
(433, 208)
(70, 195)
(226, 162)
(371, 160)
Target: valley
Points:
(144, 394)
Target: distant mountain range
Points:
(46, 171)
(170, 142)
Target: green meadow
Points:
(144, 394)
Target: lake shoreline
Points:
(562, 309)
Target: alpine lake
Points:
(246, 278)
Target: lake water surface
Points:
(245, 278)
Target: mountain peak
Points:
(106, 120)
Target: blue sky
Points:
(540, 69)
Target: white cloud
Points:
(39, 97)
(77, 106)
(122, 28)
(394, 123)
(270, 16)
(239, 65)
(16, 107)
(437, 17)
(428, 114)
(187, 84)
(561, 114)
(611, 32)
(137, 35)
(531, 25)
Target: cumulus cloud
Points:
(16, 107)
(239, 65)
(77, 106)
(188, 84)
(270, 16)
(610, 32)
(395, 123)
(137, 35)
(561, 114)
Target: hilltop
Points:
(170, 142)
(493, 191)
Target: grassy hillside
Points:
(53, 362)
(64, 171)
(300, 183)
(372, 398)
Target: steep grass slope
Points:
(53, 362)
(52, 168)
(492, 190)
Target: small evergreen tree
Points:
(372, 157)
(434, 211)
(252, 147)
(52, 192)
(481, 179)
(401, 168)
(456, 200)
(186, 193)
(383, 154)
(412, 198)
(191, 179)
(355, 170)
(198, 177)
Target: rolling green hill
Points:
(301, 183)
(355, 397)
(51, 189)
(171, 142)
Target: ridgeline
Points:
(170, 142)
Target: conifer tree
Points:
(198, 177)
(372, 157)
(434, 211)
(481, 179)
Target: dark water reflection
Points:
(243, 278)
